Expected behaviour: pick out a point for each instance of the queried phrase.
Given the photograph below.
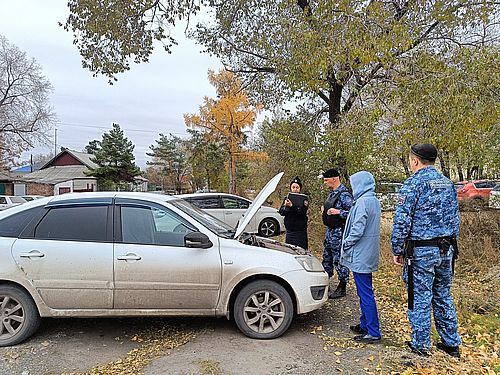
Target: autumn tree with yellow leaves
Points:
(225, 118)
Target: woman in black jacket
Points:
(295, 217)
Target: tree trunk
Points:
(471, 172)
(208, 181)
(444, 167)
(335, 95)
(460, 171)
(404, 161)
(480, 172)
(232, 173)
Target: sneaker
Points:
(367, 339)
(453, 351)
(421, 352)
(357, 329)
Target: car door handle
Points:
(32, 254)
(129, 256)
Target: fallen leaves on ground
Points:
(338, 342)
(152, 344)
(477, 303)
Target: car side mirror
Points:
(197, 240)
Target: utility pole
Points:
(55, 141)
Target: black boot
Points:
(454, 351)
(339, 292)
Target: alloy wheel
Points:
(268, 228)
(264, 312)
(12, 317)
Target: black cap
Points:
(331, 173)
(425, 151)
(296, 180)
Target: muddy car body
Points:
(138, 254)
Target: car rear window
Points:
(484, 184)
(82, 223)
(17, 200)
(234, 203)
(205, 203)
(13, 225)
(386, 188)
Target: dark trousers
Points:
(297, 237)
(369, 315)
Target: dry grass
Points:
(475, 291)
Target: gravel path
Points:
(316, 343)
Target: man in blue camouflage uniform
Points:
(335, 211)
(426, 224)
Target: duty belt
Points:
(434, 242)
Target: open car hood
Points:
(258, 201)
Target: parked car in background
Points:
(135, 254)
(494, 201)
(478, 189)
(8, 201)
(30, 198)
(387, 193)
(230, 208)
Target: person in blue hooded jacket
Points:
(360, 252)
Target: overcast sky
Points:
(149, 99)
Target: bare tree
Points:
(25, 112)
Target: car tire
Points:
(269, 228)
(19, 317)
(263, 309)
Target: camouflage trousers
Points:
(432, 277)
(331, 254)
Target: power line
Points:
(126, 129)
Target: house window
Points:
(64, 190)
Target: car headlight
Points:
(310, 263)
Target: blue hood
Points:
(362, 182)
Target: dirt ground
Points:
(316, 343)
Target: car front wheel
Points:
(268, 228)
(19, 317)
(263, 309)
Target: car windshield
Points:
(215, 225)
(497, 187)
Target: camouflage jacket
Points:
(343, 204)
(427, 206)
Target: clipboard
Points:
(298, 200)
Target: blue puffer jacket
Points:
(361, 239)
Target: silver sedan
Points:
(137, 254)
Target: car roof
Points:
(199, 195)
(474, 181)
(112, 194)
(78, 197)
(69, 197)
